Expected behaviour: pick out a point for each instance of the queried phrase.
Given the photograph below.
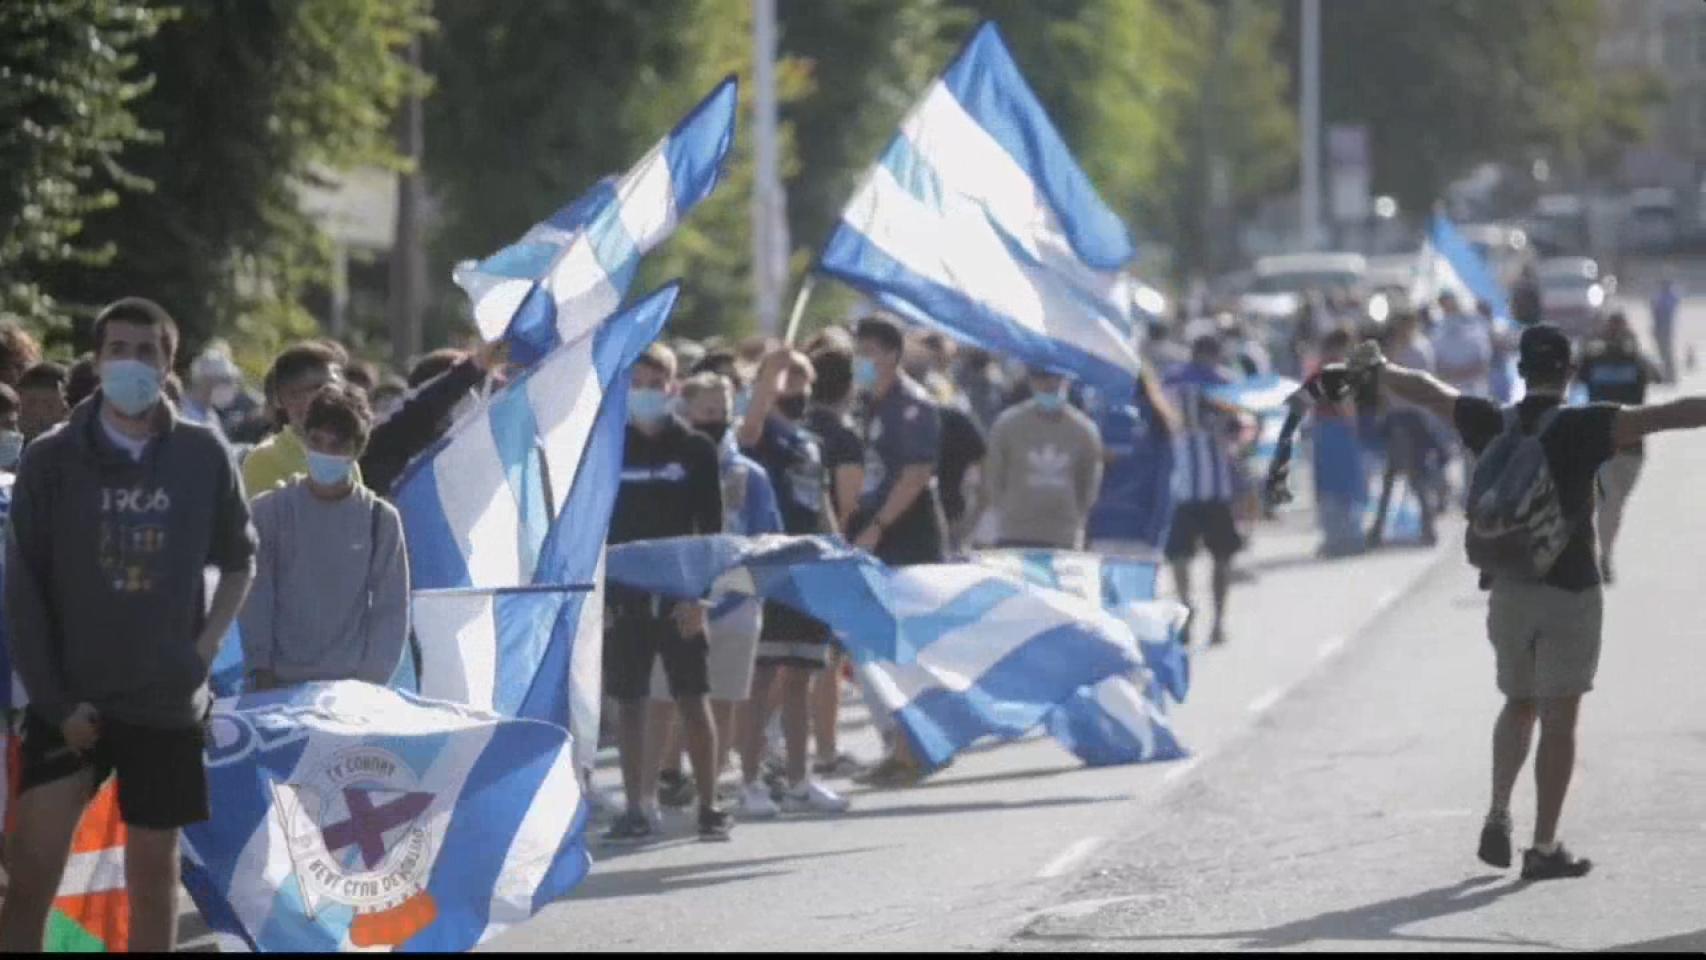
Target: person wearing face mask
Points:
(11, 437)
(1043, 469)
(732, 623)
(670, 487)
(899, 517)
(1614, 370)
(214, 386)
(331, 593)
(296, 376)
(115, 518)
(793, 646)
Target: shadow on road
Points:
(1682, 943)
(1372, 922)
(1038, 773)
(926, 809)
(603, 884)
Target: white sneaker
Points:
(810, 796)
(755, 802)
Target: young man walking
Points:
(670, 488)
(1545, 634)
(331, 594)
(115, 516)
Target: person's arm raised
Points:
(1414, 386)
(1633, 423)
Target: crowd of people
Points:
(147, 514)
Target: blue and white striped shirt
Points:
(1202, 464)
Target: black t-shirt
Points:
(1577, 443)
(962, 446)
(671, 486)
(838, 442)
(793, 456)
(1614, 373)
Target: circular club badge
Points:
(357, 838)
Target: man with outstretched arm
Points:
(1545, 632)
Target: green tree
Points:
(68, 78)
(1446, 84)
(253, 98)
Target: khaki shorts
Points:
(1545, 640)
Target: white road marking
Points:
(1330, 647)
(1266, 701)
(1386, 600)
(1071, 857)
(1078, 909)
(1181, 769)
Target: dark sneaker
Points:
(675, 789)
(1496, 841)
(1217, 636)
(714, 824)
(632, 826)
(1558, 864)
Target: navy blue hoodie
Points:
(105, 559)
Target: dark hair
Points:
(301, 359)
(44, 375)
(362, 373)
(81, 380)
(8, 400)
(1207, 345)
(18, 351)
(722, 363)
(834, 375)
(884, 332)
(1336, 340)
(434, 364)
(341, 408)
(141, 312)
(659, 358)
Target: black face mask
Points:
(715, 429)
(791, 407)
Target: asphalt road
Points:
(1348, 819)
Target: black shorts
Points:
(1208, 522)
(635, 635)
(794, 639)
(162, 776)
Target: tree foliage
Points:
(1446, 84)
(68, 78)
(252, 98)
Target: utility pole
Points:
(408, 256)
(769, 222)
(1309, 122)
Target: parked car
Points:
(1572, 293)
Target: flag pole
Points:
(799, 309)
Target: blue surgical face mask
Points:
(130, 385)
(647, 406)
(1049, 402)
(11, 448)
(329, 470)
(864, 373)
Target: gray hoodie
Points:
(105, 590)
(331, 594)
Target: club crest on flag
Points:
(355, 833)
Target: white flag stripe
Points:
(647, 207)
(458, 647)
(470, 475)
(93, 871)
(565, 399)
(527, 863)
(586, 672)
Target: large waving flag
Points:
(506, 521)
(978, 220)
(353, 816)
(1123, 718)
(1450, 264)
(955, 652)
(571, 271)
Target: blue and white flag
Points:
(955, 652)
(1123, 718)
(571, 271)
(978, 220)
(520, 495)
(1450, 264)
(1264, 396)
(352, 816)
